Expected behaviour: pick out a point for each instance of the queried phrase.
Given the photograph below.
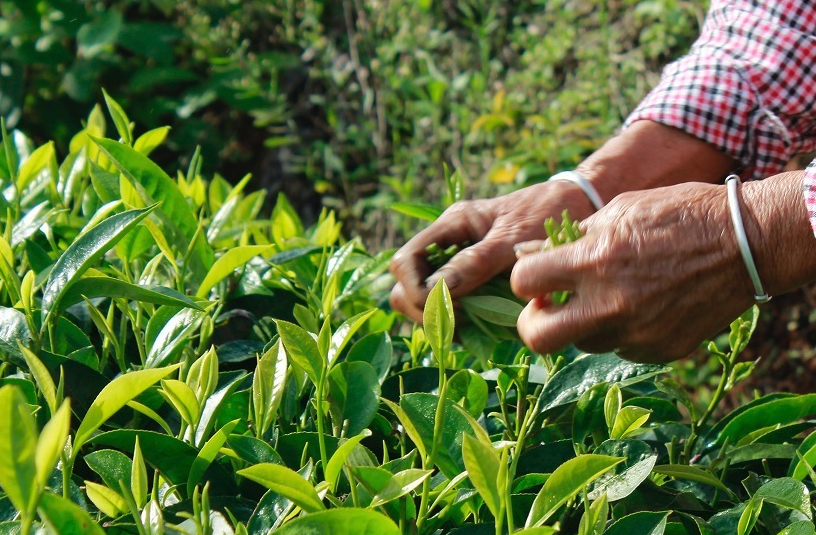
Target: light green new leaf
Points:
(182, 398)
(344, 521)
(425, 212)
(107, 500)
(85, 251)
(438, 320)
(749, 517)
(341, 337)
(410, 429)
(386, 487)
(232, 259)
(156, 186)
(629, 422)
(31, 222)
(594, 518)
(147, 142)
(18, 445)
(116, 395)
(612, 405)
(13, 331)
(52, 441)
(268, 384)
(66, 518)
(91, 287)
(285, 482)
(207, 455)
(338, 459)
(120, 118)
(172, 337)
(45, 383)
(138, 476)
(565, 482)
(302, 349)
(34, 164)
(483, 465)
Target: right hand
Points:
(493, 227)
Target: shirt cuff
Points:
(809, 187)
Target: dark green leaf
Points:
(354, 394)
(641, 523)
(111, 465)
(13, 329)
(91, 287)
(374, 348)
(252, 450)
(621, 481)
(468, 389)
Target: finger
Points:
(548, 328)
(528, 247)
(475, 265)
(401, 302)
(541, 273)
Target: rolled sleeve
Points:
(747, 86)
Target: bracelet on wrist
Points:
(581, 181)
(732, 182)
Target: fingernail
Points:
(527, 247)
(451, 279)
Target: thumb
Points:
(475, 265)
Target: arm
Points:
(660, 271)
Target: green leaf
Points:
(345, 521)
(692, 473)
(425, 212)
(749, 516)
(354, 393)
(567, 385)
(438, 320)
(138, 476)
(629, 422)
(207, 455)
(51, 442)
(120, 119)
(338, 459)
(588, 417)
(623, 479)
(483, 465)
(285, 482)
(786, 492)
(802, 527)
(494, 309)
(776, 411)
(66, 518)
(45, 383)
(232, 259)
(302, 349)
(116, 395)
(386, 487)
(799, 466)
(91, 287)
(640, 523)
(268, 384)
(410, 429)
(565, 482)
(156, 186)
(84, 252)
(18, 447)
(468, 389)
(376, 349)
(594, 518)
(182, 398)
(147, 142)
(112, 466)
(34, 164)
(343, 334)
(174, 334)
(253, 450)
(99, 34)
(612, 406)
(107, 500)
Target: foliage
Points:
(172, 362)
(363, 99)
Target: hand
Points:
(492, 226)
(656, 273)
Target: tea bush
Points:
(363, 100)
(174, 362)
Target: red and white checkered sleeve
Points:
(748, 84)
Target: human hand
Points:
(493, 226)
(656, 273)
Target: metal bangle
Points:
(731, 182)
(581, 181)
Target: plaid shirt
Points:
(747, 86)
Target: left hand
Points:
(656, 273)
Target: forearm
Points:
(648, 155)
(779, 232)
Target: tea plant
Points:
(175, 362)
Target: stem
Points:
(321, 438)
(25, 525)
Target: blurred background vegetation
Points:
(357, 104)
(350, 103)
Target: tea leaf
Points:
(232, 259)
(91, 287)
(18, 445)
(438, 320)
(13, 331)
(34, 164)
(482, 464)
(468, 389)
(426, 212)
(268, 384)
(338, 459)
(120, 119)
(207, 454)
(65, 517)
(682, 471)
(286, 482)
(354, 392)
(344, 521)
(51, 442)
(85, 251)
(114, 396)
(492, 308)
(107, 500)
(640, 523)
(138, 476)
(565, 482)
(786, 492)
(343, 334)
(302, 349)
(150, 140)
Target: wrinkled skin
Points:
(659, 271)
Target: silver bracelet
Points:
(731, 182)
(581, 181)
